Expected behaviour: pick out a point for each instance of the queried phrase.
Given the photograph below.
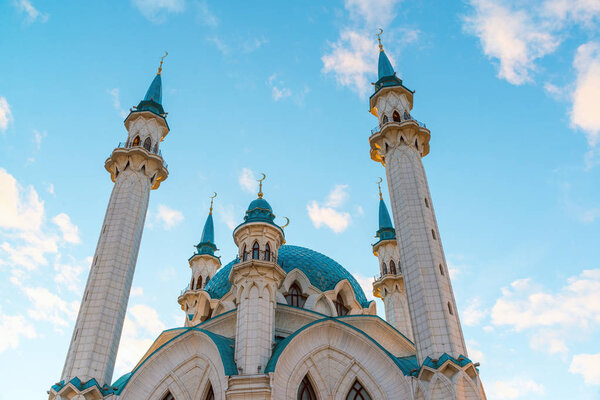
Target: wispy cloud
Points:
(157, 10)
(168, 216)
(5, 114)
(205, 15)
(474, 314)
(70, 232)
(247, 181)
(516, 388)
(13, 328)
(327, 214)
(587, 365)
(115, 96)
(584, 113)
(32, 13)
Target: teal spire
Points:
(207, 241)
(153, 100)
(386, 76)
(259, 209)
(386, 229)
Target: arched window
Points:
(192, 284)
(210, 395)
(433, 235)
(244, 254)
(199, 283)
(406, 116)
(396, 116)
(295, 297)
(393, 267)
(306, 391)
(441, 270)
(426, 203)
(358, 392)
(267, 252)
(148, 144)
(168, 396)
(339, 306)
(385, 119)
(384, 267)
(450, 309)
(136, 141)
(255, 251)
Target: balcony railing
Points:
(259, 255)
(381, 276)
(151, 150)
(410, 118)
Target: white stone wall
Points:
(146, 125)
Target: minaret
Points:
(389, 287)
(135, 167)
(204, 265)
(255, 279)
(399, 142)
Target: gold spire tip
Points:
(211, 202)
(379, 185)
(379, 39)
(161, 63)
(260, 181)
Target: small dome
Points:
(322, 272)
(261, 204)
(259, 210)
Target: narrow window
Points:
(416, 144)
(168, 396)
(86, 296)
(393, 267)
(295, 297)
(306, 391)
(199, 283)
(267, 252)
(136, 141)
(385, 119)
(406, 116)
(75, 336)
(384, 268)
(255, 251)
(396, 116)
(210, 395)
(156, 148)
(441, 270)
(358, 392)
(426, 203)
(148, 144)
(433, 234)
(450, 309)
(192, 284)
(206, 281)
(244, 254)
(339, 306)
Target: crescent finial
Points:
(379, 185)
(211, 201)
(161, 62)
(286, 223)
(260, 181)
(379, 39)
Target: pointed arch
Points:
(211, 394)
(255, 251)
(305, 390)
(385, 119)
(340, 307)
(192, 284)
(199, 283)
(148, 143)
(384, 268)
(358, 392)
(295, 297)
(244, 254)
(136, 141)
(396, 116)
(168, 396)
(406, 115)
(393, 267)
(267, 252)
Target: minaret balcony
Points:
(152, 151)
(402, 122)
(391, 134)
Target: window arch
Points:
(306, 391)
(168, 396)
(393, 267)
(255, 251)
(148, 143)
(211, 394)
(441, 270)
(396, 116)
(244, 254)
(385, 119)
(358, 392)
(340, 308)
(450, 309)
(192, 284)
(433, 235)
(295, 297)
(136, 141)
(267, 252)
(199, 283)
(406, 115)
(384, 267)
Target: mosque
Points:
(279, 321)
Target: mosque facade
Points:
(279, 321)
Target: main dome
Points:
(323, 272)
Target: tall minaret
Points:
(135, 167)
(399, 142)
(204, 265)
(255, 279)
(389, 287)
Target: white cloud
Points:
(12, 329)
(156, 10)
(511, 36)
(373, 13)
(5, 114)
(142, 326)
(227, 215)
(337, 197)
(474, 313)
(68, 275)
(137, 291)
(282, 93)
(219, 44)
(115, 95)
(168, 216)
(70, 232)
(584, 113)
(335, 220)
(205, 16)
(49, 307)
(474, 353)
(247, 181)
(37, 138)
(32, 13)
(50, 188)
(575, 11)
(366, 284)
(571, 311)
(21, 209)
(587, 365)
(515, 389)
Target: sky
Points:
(509, 90)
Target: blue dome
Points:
(323, 272)
(259, 203)
(259, 210)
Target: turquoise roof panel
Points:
(154, 92)
(384, 67)
(386, 229)
(323, 272)
(207, 242)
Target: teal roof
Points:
(153, 100)
(207, 242)
(386, 229)
(323, 272)
(259, 210)
(384, 67)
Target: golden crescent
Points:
(263, 177)
(287, 222)
(213, 196)
(380, 179)
(163, 57)
(380, 32)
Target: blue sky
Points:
(509, 90)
